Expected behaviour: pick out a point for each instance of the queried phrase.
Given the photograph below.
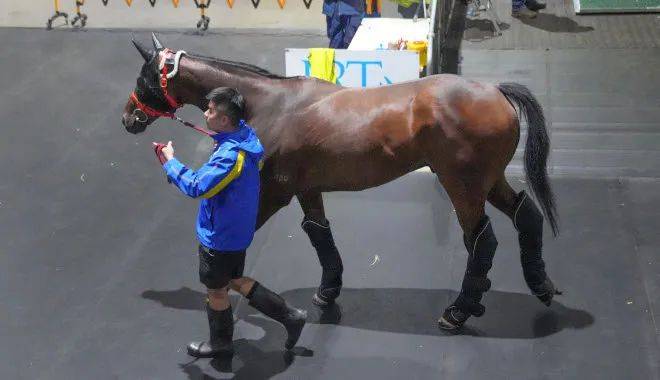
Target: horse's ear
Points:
(144, 52)
(157, 45)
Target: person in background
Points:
(343, 17)
(372, 8)
(526, 8)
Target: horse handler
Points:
(229, 187)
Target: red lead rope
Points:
(158, 149)
(193, 126)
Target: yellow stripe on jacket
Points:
(233, 174)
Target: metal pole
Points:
(431, 37)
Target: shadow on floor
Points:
(414, 311)
(556, 24)
(482, 29)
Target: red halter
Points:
(151, 112)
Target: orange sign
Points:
(230, 3)
(128, 2)
(176, 3)
(281, 3)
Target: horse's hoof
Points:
(446, 325)
(326, 296)
(548, 291)
(546, 298)
(318, 301)
(452, 319)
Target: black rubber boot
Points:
(535, 5)
(221, 332)
(321, 238)
(528, 220)
(481, 250)
(274, 306)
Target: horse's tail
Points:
(536, 148)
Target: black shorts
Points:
(217, 268)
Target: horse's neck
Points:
(258, 90)
(267, 98)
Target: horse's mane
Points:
(240, 65)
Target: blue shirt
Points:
(228, 185)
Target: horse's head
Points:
(150, 99)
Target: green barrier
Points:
(616, 6)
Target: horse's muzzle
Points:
(134, 123)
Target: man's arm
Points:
(208, 180)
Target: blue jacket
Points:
(228, 185)
(343, 8)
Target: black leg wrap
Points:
(528, 220)
(221, 332)
(481, 250)
(275, 307)
(331, 282)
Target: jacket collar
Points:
(239, 134)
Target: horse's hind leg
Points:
(528, 220)
(469, 199)
(318, 230)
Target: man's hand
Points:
(167, 151)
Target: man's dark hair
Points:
(228, 101)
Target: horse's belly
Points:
(358, 172)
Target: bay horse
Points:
(321, 137)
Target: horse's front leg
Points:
(317, 228)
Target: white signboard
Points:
(360, 68)
(376, 33)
